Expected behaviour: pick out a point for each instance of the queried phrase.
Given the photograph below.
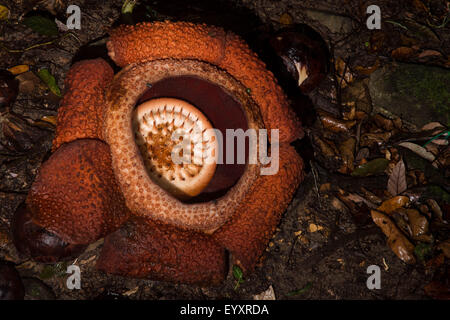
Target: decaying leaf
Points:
(397, 241)
(21, 68)
(382, 122)
(419, 226)
(434, 206)
(393, 204)
(368, 70)
(372, 167)
(269, 294)
(402, 53)
(419, 150)
(327, 148)
(432, 126)
(397, 179)
(429, 53)
(333, 124)
(371, 196)
(41, 25)
(347, 149)
(375, 139)
(445, 247)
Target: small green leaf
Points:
(128, 6)
(237, 273)
(423, 251)
(50, 81)
(41, 25)
(371, 167)
(300, 291)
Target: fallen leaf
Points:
(50, 81)
(382, 122)
(372, 167)
(419, 226)
(28, 82)
(434, 206)
(335, 125)
(131, 291)
(371, 196)
(21, 68)
(397, 179)
(41, 25)
(4, 13)
(393, 204)
(402, 53)
(375, 139)
(433, 125)
(445, 247)
(347, 149)
(397, 241)
(286, 19)
(429, 53)
(327, 148)
(368, 70)
(269, 294)
(421, 151)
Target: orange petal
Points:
(145, 249)
(81, 110)
(255, 220)
(75, 195)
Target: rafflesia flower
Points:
(111, 175)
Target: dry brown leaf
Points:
(437, 212)
(335, 125)
(402, 53)
(445, 247)
(421, 151)
(327, 148)
(433, 125)
(347, 150)
(393, 204)
(269, 294)
(368, 70)
(419, 226)
(383, 122)
(429, 53)
(397, 179)
(397, 241)
(371, 196)
(375, 139)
